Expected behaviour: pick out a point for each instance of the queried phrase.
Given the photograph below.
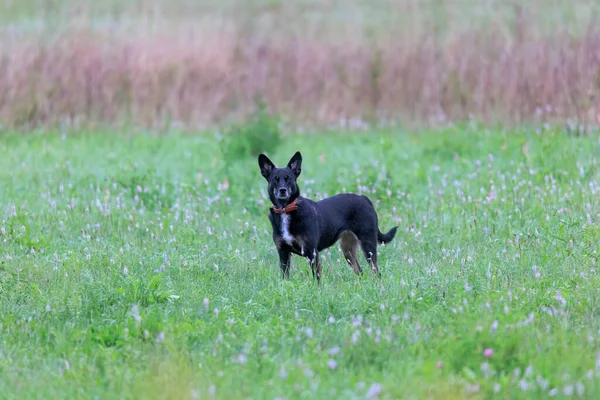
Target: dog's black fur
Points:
(315, 226)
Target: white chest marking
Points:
(285, 229)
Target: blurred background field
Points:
(202, 63)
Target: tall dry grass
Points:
(84, 76)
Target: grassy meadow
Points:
(137, 266)
(136, 259)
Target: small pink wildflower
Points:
(488, 353)
(374, 391)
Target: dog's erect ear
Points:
(266, 166)
(295, 164)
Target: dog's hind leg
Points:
(369, 248)
(349, 243)
(319, 268)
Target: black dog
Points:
(304, 227)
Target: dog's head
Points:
(283, 188)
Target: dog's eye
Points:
(276, 179)
(286, 178)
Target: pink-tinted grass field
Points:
(188, 64)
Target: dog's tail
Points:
(385, 238)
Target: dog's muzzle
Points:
(283, 194)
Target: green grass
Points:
(128, 271)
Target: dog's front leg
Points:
(284, 262)
(315, 264)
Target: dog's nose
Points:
(282, 190)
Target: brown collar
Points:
(289, 208)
